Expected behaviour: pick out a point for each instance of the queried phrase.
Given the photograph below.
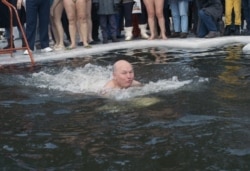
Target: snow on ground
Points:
(189, 43)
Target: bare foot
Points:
(151, 38)
(164, 38)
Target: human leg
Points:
(81, 8)
(228, 12)
(166, 12)
(58, 25)
(31, 22)
(237, 11)
(43, 15)
(95, 23)
(237, 20)
(151, 17)
(183, 7)
(65, 24)
(207, 23)
(246, 9)
(175, 16)
(89, 20)
(113, 27)
(127, 8)
(201, 30)
(159, 4)
(9, 37)
(104, 28)
(142, 21)
(71, 15)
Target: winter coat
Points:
(127, 1)
(213, 8)
(5, 15)
(107, 7)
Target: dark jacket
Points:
(5, 15)
(107, 7)
(213, 8)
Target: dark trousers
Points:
(37, 9)
(207, 24)
(95, 23)
(65, 24)
(166, 12)
(108, 23)
(246, 10)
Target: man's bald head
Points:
(123, 76)
(121, 63)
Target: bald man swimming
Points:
(123, 76)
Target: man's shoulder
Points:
(110, 84)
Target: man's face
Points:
(124, 75)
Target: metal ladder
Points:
(12, 49)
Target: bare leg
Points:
(55, 34)
(89, 20)
(150, 6)
(81, 9)
(159, 4)
(58, 24)
(70, 7)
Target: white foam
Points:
(246, 48)
(92, 78)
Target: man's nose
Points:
(129, 75)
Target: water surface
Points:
(192, 113)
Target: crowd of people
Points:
(78, 21)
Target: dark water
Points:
(202, 126)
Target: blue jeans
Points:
(108, 23)
(179, 10)
(207, 23)
(37, 9)
(246, 10)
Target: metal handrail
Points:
(12, 49)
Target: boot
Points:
(114, 39)
(227, 30)
(175, 34)
(23, 43)
(212, 34)
(128, 33)
(143, 28)
(237, 30)
(105, 40)
(8, 46)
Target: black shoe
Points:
(120, 36)
(8, 46)
(96, 39)
(80, 43)
(183, 35)
(227, 31)
(93, 42)
(105, 41)
(114, 39)
(212, 34)
(236, 30)
(175, 34)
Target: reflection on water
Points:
(192, 113)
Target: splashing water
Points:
(91, 79)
